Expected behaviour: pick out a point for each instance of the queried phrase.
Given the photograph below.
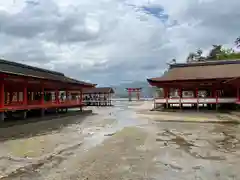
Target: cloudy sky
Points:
(113, 41)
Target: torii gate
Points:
(136, 90)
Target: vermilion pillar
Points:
(25, 95)
(180, 97)
(57, 96)
(216, 96)
(196, 95)
(180, 92)
(67, 95)
(166, 94)
(81, 100)
(238, 95)
(42, 101)
(2, 99)
(11, 97)
(42, 96)
(17, 96)
(81, 97)
(2, 94)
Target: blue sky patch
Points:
(155, 11)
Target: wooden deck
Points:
(15, 106)
(196, 100)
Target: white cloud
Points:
(107, 41)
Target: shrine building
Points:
(98, 96)
(211, 84)
(26, 88)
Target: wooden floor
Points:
(37, 105)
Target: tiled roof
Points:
(201, 71)
(10, 67)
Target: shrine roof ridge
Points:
(205, 63)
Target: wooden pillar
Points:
(42, 96)
(25, 95)
(57, 96)
(42, 102)
(100, 102)
(25, 100)
(2, 100)
(32, 96)
(166, 95)
(216, 96)
(57, 99)
(104, 99)
(17, 96)
(196, 95)
(81, 96)
(81, 99)
(180, 97)
(67, 96)
(110, 98)
(10, 97)
(238, 94)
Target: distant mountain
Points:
(120, 90)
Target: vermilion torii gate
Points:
(134, 90)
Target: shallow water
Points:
(173, 150)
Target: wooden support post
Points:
(238, 95)
(106, 99)
(110, 99)
(42, 96)
(10, 97)
(2, 100)
(196, 95)
(180, 97)
(216, 96)
(17, 96)
(42, 102)
(67, 96)
(25, 95)
(57, 99)
(166, 95)
(81, 99)
(99, 100)
(57, 96)
(32, 96)
(25, 100)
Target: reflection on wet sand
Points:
(116, 143)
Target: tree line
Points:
(217, 52)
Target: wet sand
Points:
(121, 142)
